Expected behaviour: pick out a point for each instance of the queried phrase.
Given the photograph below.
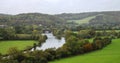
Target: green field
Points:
(82, 21)
(109, 30)
(110, 54)
(99, 31)
(20, 44)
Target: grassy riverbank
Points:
(109, 54)
(20, 44)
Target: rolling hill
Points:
(30, 19)
(82, 21)
(94, 19)
(108, 17)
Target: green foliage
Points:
(109, 54)
(23, 37)
(12, 50)
(7, 33)
(58, 33)
(42, 39)
(30, 19)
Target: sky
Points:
(57, 6)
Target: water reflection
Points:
(51, 42)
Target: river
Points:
(51, 42)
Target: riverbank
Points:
(109, 54)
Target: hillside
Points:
(82, 21)
(93, 19)
(96, 20)
(111, 17)
(76, 16)
(105, 18)
(30, 19)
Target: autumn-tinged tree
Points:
(88, 47)
(98, 44)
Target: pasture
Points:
(109, 54)
(82, 21)
(20, 44)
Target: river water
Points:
(51, 42)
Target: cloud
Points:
(52, 1)
(57, 6)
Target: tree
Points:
(15, 54)
(63, 52)
(88, 47)
(42, 39)
(67, 34)
(98, 44)
(7, 33)
(35, 34)
(34, 46)
(0, 56)
(20, 29)
(51, 54)
(13, 50)
(39, 56)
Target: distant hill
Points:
(76, 16)
(111, 17)
(82, 21)
(29, 19)
(104, 18)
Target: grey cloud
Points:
(57, 6)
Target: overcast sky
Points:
(57, 6)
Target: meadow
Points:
(82, 21)
(108, 30)
(20, 44)
(109, 54)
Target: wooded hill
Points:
(107, 17)
(76, 16)
(30, 19)
(101, 20)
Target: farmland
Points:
(20, 44)
(82, 21)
